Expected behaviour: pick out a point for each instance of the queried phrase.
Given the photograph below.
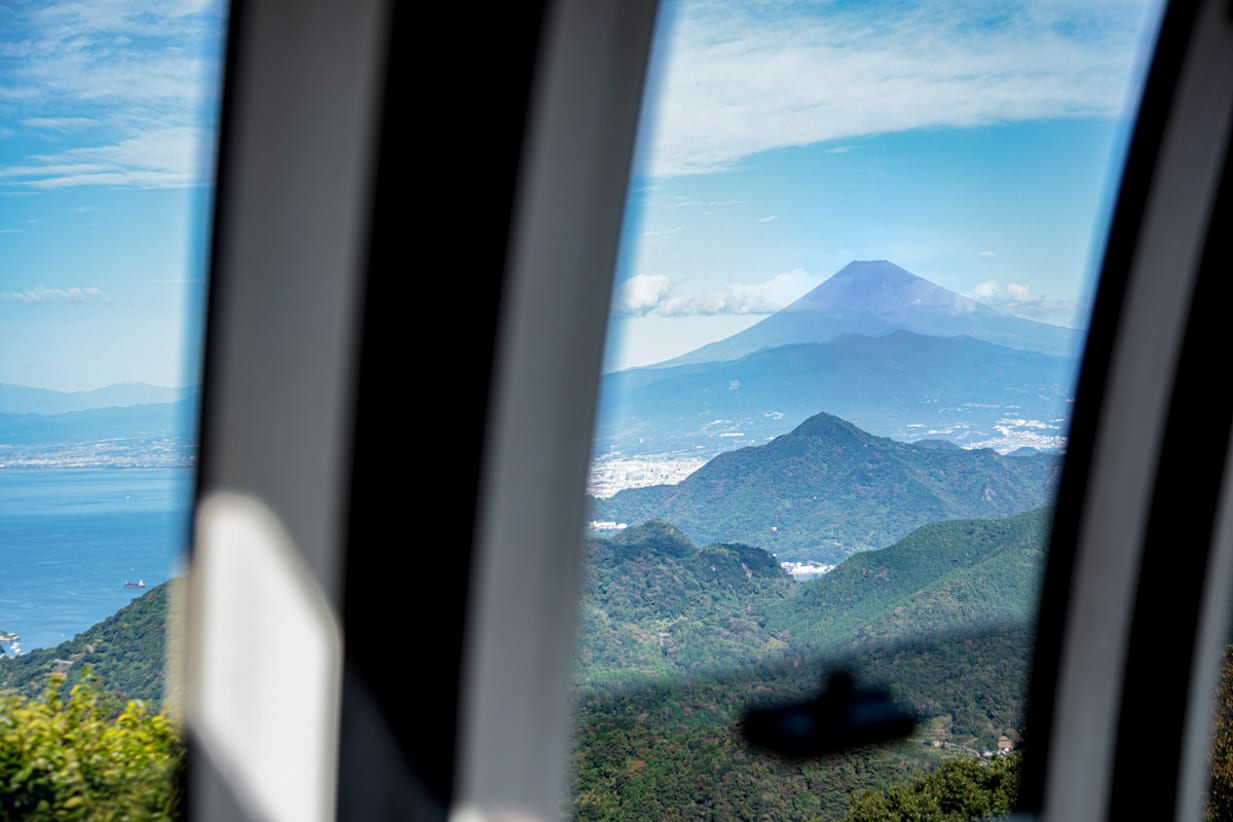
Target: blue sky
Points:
(970, 142)
(976, 144)
(109, 113)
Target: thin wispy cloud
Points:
(685, 202)
(60, 123)
(767, 219)
(739, 81)
(988, 255)
(11, 94)
(122, 90)
(674, 230)
(54, 295)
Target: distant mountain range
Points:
(903, 384)
(829, 489)
(22, 399)
(875, 297)
(129, 425)
(159, 420)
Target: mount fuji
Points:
(877, 297)
(876, 345)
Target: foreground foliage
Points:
(67, 759)
(1220, 792)
(961, 789)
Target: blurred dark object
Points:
(840, 718)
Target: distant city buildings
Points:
(607, 525)
(804, 571)
(613, 473)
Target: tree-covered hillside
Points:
(127, 651)
(671, 748)
(954, 575)
(655, 604)
(678, 641)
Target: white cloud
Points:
(988, 255)
(989, 289)
(157, 158)
(48, 295)
(641, 294)
(740, 81)
(655, 294)
(1023, 293)
(767, 219)
(1023, 300)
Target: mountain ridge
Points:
(902, 384)
(25, 399)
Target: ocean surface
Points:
(70, 539)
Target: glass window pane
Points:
(860, 248)
(106, 185)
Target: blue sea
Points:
(70, 539)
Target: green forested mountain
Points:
(677, 641)
(942, 615)
(127, 651)
(954, 575)
(655, 604)
(829, 489)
